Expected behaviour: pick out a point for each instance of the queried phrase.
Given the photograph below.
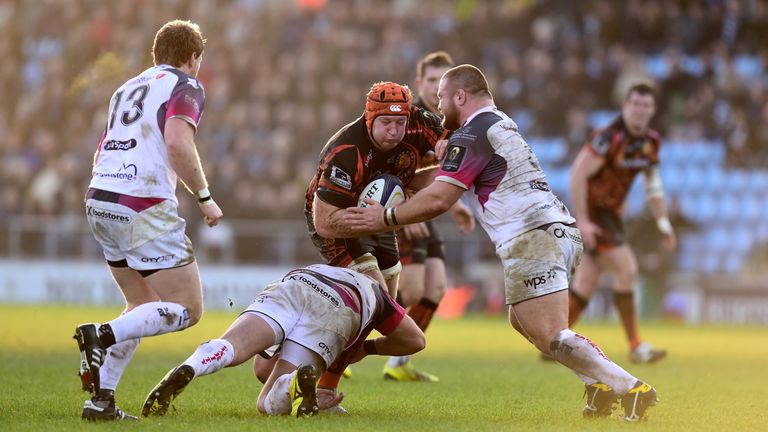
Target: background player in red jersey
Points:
(423, 281)
(600, 181)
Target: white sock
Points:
(278, 400)
(585, 379)
(211, 356)
(118, 357)
(582, 356)
(395, 361)
(150, 319)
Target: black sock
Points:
(400, 301)
(104, 395)
(106, 336)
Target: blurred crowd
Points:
(281, 76)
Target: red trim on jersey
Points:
(391, 322)
(98, 149)
(359, 170)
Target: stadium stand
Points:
(281, 77)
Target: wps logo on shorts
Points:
(539, 279)
(108, 215)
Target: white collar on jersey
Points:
(487, 108)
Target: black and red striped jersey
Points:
(625, 156)
(349, 160)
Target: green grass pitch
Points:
(715, 379)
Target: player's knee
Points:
(625, 278)
(417, 342)
(435, 290)
(542, 338)
(408, 295)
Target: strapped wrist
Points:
(392, 216)
(203, 196)
(389, 217)
(664, 225)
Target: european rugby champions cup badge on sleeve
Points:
(453, 158)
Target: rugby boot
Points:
(407, 372)
(102, 407)
(601, 400)
(646, 353)
(92, 355)
(303, 391)
(347, 372)
(637, 401)
(167, 390)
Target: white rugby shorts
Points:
(150, 239)
(316, 318)
(540, 261)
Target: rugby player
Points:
(601, 178)
(422, 280)
(535, 236)
(312, 314)
(131, 206)
(391, 137)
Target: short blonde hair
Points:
(175, 43)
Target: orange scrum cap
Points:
(387, 98)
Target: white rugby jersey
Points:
(509, 191)
(359, 292)
(132, 157)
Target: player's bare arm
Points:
(329, 220)
(586, 165)
(182, 154)
(426, 204)
(654, 193)
(406, 339)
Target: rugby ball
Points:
(386, 189)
